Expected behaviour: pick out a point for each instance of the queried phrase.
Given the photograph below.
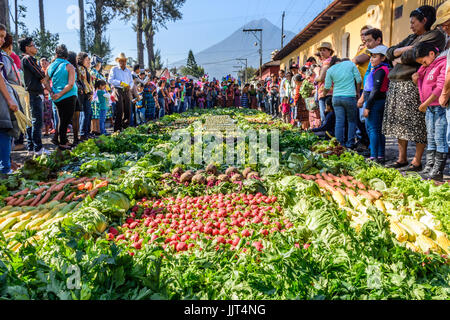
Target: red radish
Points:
(113, 231)
(190, 245)
(131, 253)
(137, 245)
(221, 240)
(306, 246)
(125, 225)
(223, 231)
(245, 233)
(109, 237)
(236, 241)
(215, 232)
(264, 232)
(133, 225)
(120, 237)
(182, 246)
(135, 237)
(297, 245)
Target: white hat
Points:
(381, 49)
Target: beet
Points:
(231, 170)
(187, 176)
(199, 178)
(211, 169)
(177, 171)
(246, 172)
(223, 178)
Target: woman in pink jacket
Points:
(430, 80)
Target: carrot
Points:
(360, 185)
(303, 175)
(81, 180)
(80, 196)
(327, 177)
(318, 176)
(22, 193)
(322, 183)
(59, 187)
(27, 202)
(88, 186)
(8, 199)
(70, 197)
(93, 193)
(377, 195)
(347, 183)
(366, 195)
(38, 191)
(36, 200)
(59, 196)
(80, 186)
(332, 176)
(41, 183)
(350, 192)
(102, 184)
(91, 179)
(70, 180)
(18, 201)
(45, 198)
(10, 202)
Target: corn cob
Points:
(411, 246)
(354, 201)
(9, 235)
(426, 244)
(431, 222)
(380, 205)
(14, 213)
(409, 231)
(47, 223)
(19, 226)
(5, 209)
(400, 234)
(442, 241)
(418, 227)
(339, 198)
(35, 224)
(28, 215)
(16, 247)
(8, 223)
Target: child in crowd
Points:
(201, 99)
(103, 101)
(140, 107)
(48, 114)
(326, 129)
(285, 109)
(430, 80)
(375, 89)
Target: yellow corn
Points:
(409, 231)
(339, 198)
(354, 201)
(418, 227)
(411, 246)
(426, 244)
(380, 205)
(442, 241)
(400, 234)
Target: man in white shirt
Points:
(121, 81)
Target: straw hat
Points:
(121, 56)
(442, 14)
(326, 45)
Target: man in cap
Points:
(325, 52)
(121, 80)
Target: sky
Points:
(204, 23)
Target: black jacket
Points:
(33, 74)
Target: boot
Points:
(437, 173)
(429, 162)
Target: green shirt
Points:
(343, 76)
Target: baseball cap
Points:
(381, 49)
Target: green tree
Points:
(191, 67)
(251, 73)
(45, 42)
(100, 14)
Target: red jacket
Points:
(431, 80)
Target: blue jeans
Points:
(102, 120)
(162, 105)
(55, 115)
(188, 102)
(5, 152)
(35, 131)
(322, 107)
(345, 107)
(436, 129)
(209, 104)
(182, 107)
(85, 118)
(374, 124)
(140, 116)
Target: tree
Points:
(100, 14)
(82, 26)
(4, 13)
(46, 43)
(139, 31)
(251, 73)
(157, 61)
(191, 67)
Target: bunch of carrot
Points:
(346, 185)
(44, 192)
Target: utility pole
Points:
(254, 31)
(282, 29)
(246, 66)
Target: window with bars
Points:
(433, 3)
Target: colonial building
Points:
(340, 24)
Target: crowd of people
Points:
(401, 92)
